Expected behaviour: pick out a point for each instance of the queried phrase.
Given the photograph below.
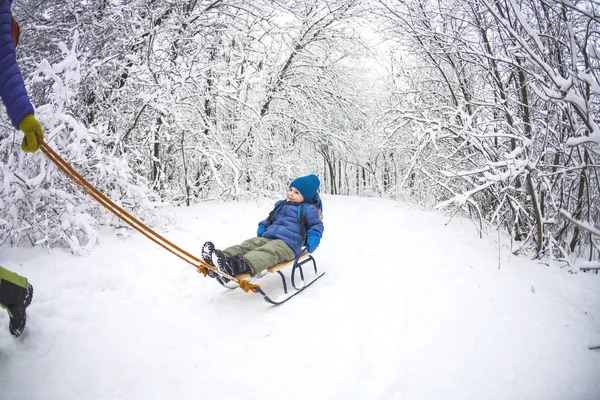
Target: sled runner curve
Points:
(301, 259)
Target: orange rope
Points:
(68, 170)
(247, 286)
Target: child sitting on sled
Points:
(293, 223)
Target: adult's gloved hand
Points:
(261, 229)
(312, 241)
(33, 131)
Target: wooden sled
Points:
(302, 258)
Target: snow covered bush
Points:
(41, 205)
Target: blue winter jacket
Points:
(286, 224)
(12, 87)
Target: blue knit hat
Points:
(307, 186)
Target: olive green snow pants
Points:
(260, 253)
(13, 289)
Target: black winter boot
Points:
(230, 265)
(238, 265)
(224, 265)
(207, 252)
(19, 315)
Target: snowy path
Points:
(409, 308)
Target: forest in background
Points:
(478, 107)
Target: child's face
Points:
(294, 195)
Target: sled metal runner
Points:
(301, 259)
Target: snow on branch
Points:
(562, 88)
(451, 174)
(583, 225)
(461, 199)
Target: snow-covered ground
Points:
(409, 308)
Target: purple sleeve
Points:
(12, 88)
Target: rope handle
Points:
(136, 224)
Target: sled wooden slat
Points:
(275, 268)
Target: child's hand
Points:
(261, 230)
(312, 241)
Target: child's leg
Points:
(246, 246)
(271, 253)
